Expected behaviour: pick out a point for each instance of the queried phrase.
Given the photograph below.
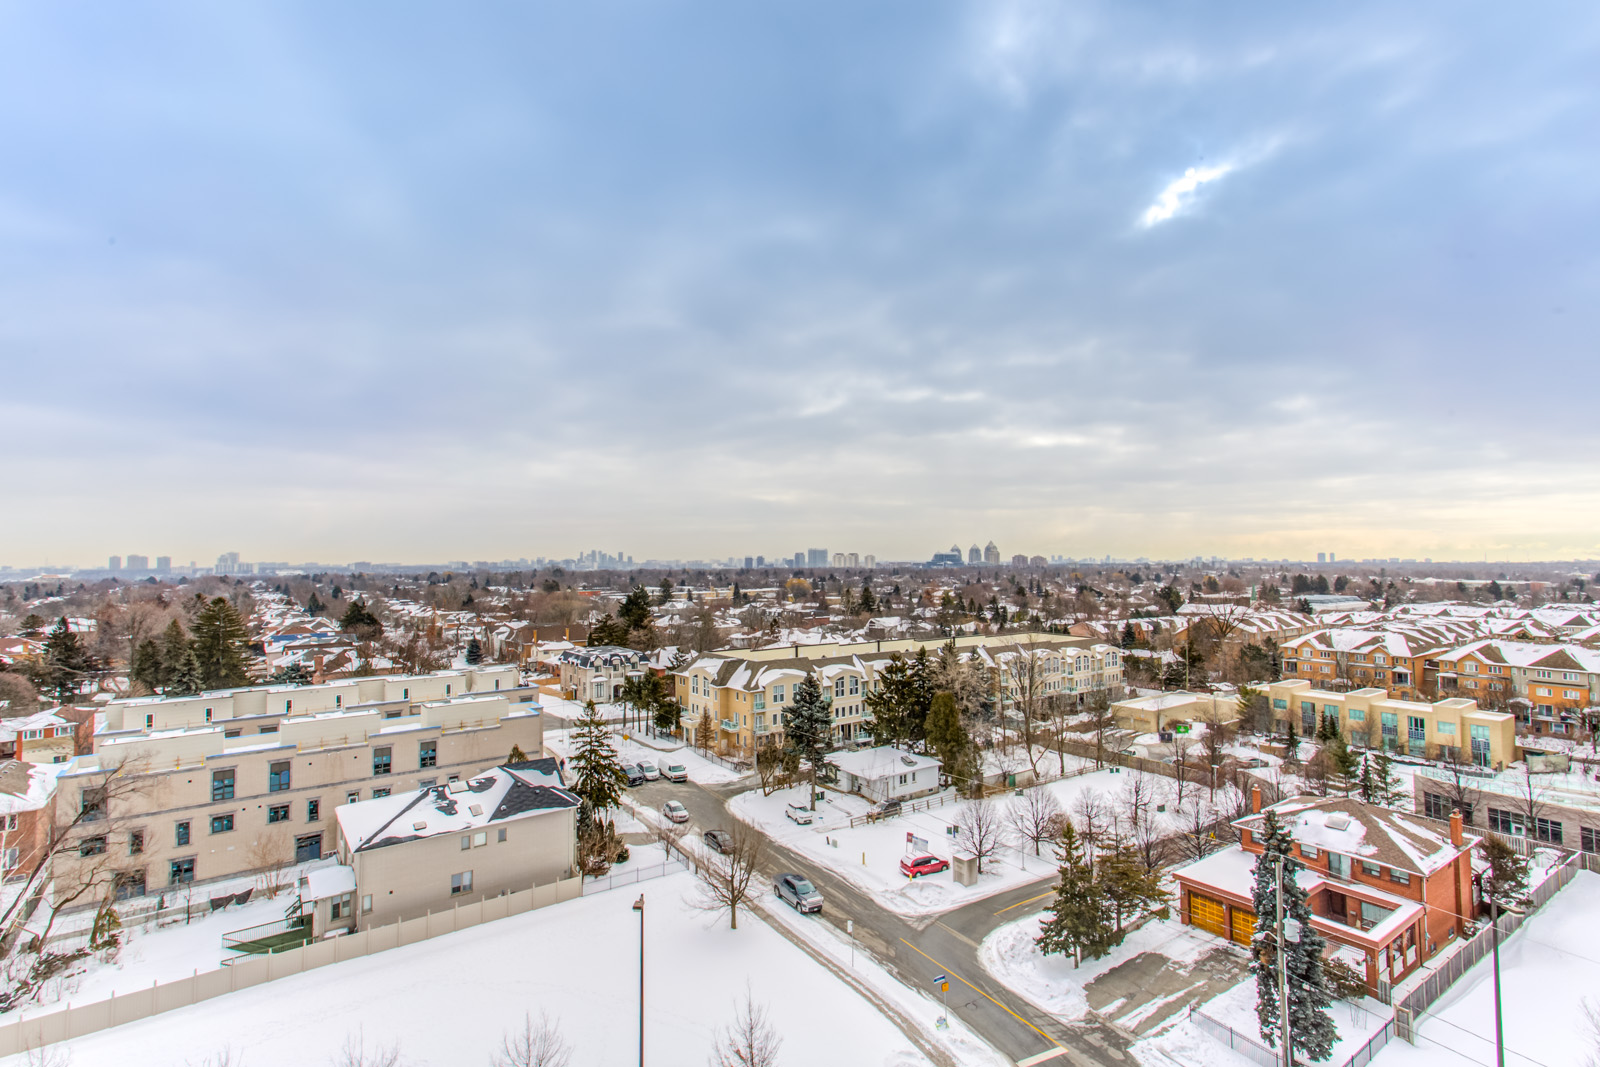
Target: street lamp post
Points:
(638, 906)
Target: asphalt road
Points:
(920, 948)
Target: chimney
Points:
(1255, 799)
(1455, 827)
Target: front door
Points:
(308, 847)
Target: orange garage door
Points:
(1207, 914)
(1244, 926)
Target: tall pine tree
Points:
(185, 680)
(221, 645)
(808, 731)
(66, 664)
(948, 738)
(1080, 918)
(1311, 1029)
(598, 779)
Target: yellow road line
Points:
(980, 992)
(1030, 900)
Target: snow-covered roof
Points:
(501, 793)
(1349, 826)
(320, 883)
(881, 762)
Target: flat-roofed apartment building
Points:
(236, 780)
(746, 691)
(1453, 728)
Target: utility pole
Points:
(1499, 1036)
(638, 906)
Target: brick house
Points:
(1391, 887)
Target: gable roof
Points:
(1366, 832)
(512, 791)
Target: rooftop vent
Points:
(419, 826)
(475, 809)
(457, 787)
(908, 761)
(1338, 821)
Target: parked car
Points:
(799, 813)
(1253, 761)
(675, 772)
(648, 769)
(718, 841)
(635, 775)
(798, 893)
(922, 863)
(884, 810)
(675, 811)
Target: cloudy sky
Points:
(413, 281)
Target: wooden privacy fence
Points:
(60, 1024)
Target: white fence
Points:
(673, 865)
(1257, 1052)
(59, 1024)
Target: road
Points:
(916, 949)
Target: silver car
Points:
(648, 769)
(798, 892)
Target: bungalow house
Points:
(886, 773)
(511, 827)
(1392, 887)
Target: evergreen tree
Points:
(948, 738)
(1344, 764)
(1506, 881)
(517, 755)
(315, 606)
(808, 731)
(1079, 922)
(186, 679)
(608, 631)
(221, 645)
(598, 780)
(665, 593)
(635, 610)
(1292, 743)
(174, 647)
(668, 714)
(1366, 786)
(292, 674)
(359, 620)
(66, 664)
(1129, 637)
(869, 603)
(146, 667)
(1131, 889)
(474, 652)
(1387, 787)
(1311, 1029)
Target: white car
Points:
(676, 772)
(675, 811)
(648, 769)
(799, 813)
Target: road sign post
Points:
(943, 982)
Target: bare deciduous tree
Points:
(1036, 817)
(749, 1041)
(355, 1053)
(1092, 819)
(727, 878)
(535, 1045)
(978, 830)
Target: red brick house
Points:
(1390, 886)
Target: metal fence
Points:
(907, 807)
(673, 865)
(1254, 1050)
(1435, 983)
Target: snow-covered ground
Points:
(1055, 985)
(1186, 1043)
(1112, 788)
(869, 856)
(449, 1000)
(1549, 972)
(701, 770)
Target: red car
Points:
(922, 863)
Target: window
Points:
(480, 838)
(208, 715)
(382, 792)
(366, 903)
(838, 687)
(466, 842)
(447, 689)
(278, 777)
(1309, 851)
(313, 809)
(181, 837)
(338, 700)
(502, 835)
(222, 785)
(1589, 840)
(1399, 877)
(1371, 870)
(855, 686)
(1445, 727)
(180, 871)
(94, 804)
(288, 706)
(1547, 830)
(221, 824)
(777, 694)
(460, 883)
(92, 846)
(135, 842)
(1279, 704)
(382, 760)
(428, 754)
(149, 722)
(269, 729)
(1506, 822)
(405, 694)
(339, 907)
(427, 783)
(1357, 714)
(1332, 710)
(759, 701)
(231, 733)
(1435, 806)
(353, 796)
(308, 847)
(278, 813)
(694, 686)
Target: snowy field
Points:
(449, 1000)
(701, 770)
(1549, 972)
(1187, 1044)
(869, 856)
(1055, 985)
(1112, 789)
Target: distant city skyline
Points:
(1093, 278)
